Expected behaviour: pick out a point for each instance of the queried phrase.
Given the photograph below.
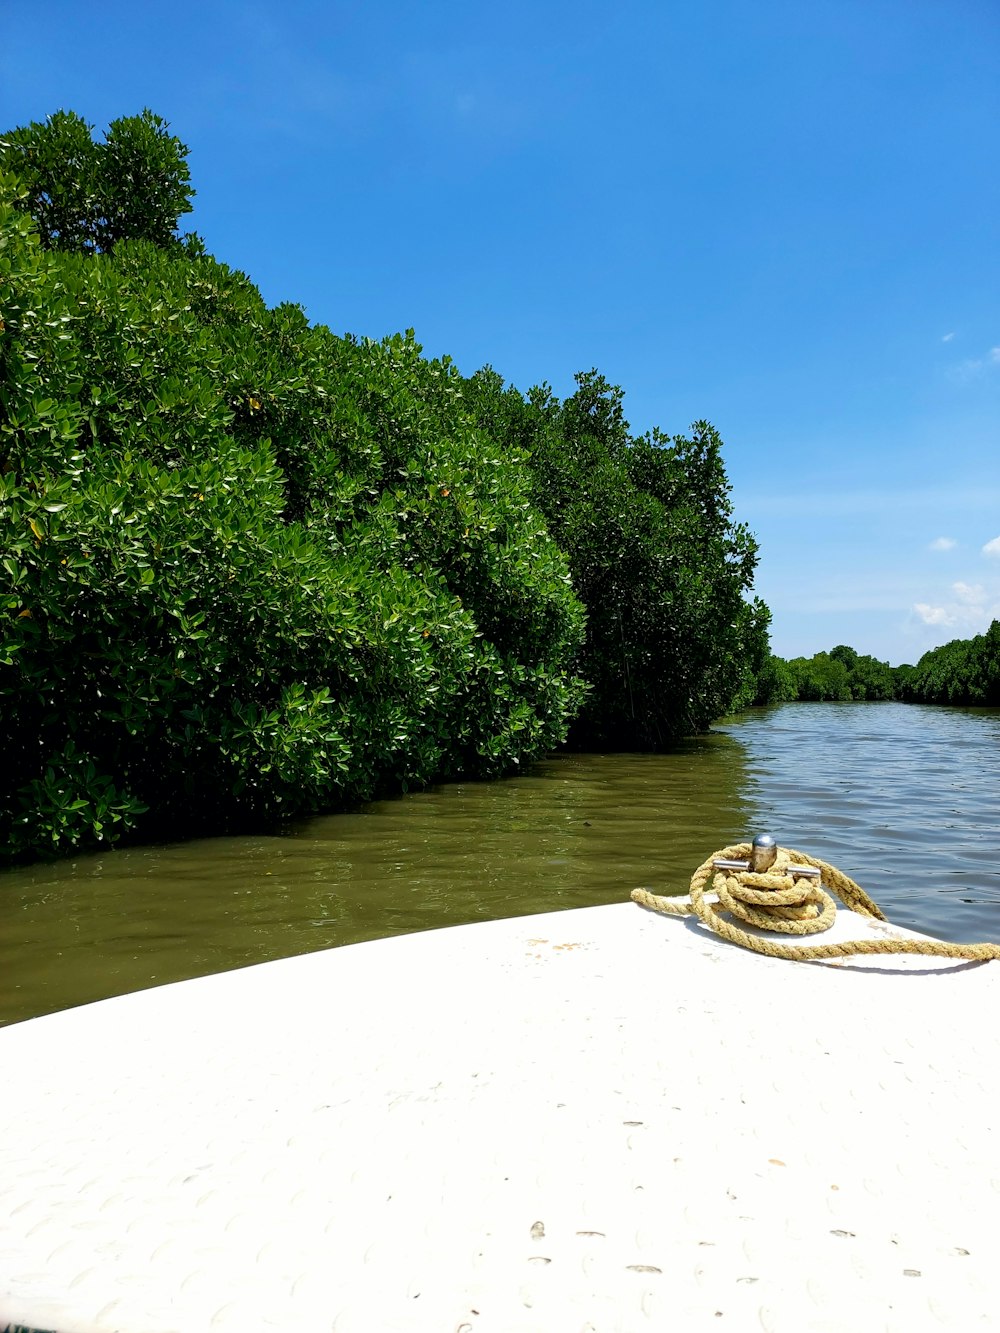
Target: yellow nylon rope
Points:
(794, 906)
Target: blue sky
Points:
(782, 217)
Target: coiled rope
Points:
(779, 900)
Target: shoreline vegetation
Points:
(254, 570)
(964, 672)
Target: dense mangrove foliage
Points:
(654, 554)
(965, 671)
(251, 569)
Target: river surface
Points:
(905, 799)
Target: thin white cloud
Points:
(993, 547)
(947, 337)
(942, 544)
(969, 610)
(971, 594)
(975, 366)
(967, 370)
(933, 615)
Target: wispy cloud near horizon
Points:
(969, 611)
(933, 615)
(970, 594)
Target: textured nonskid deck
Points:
(596, 1120)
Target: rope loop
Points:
(781, 900)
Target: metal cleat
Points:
(763, 851)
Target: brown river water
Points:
(904, 799)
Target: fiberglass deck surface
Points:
(595, 1120)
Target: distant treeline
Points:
(250, 569)
(965, 671)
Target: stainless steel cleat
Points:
(763, 851)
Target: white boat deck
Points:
(595, 1120)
